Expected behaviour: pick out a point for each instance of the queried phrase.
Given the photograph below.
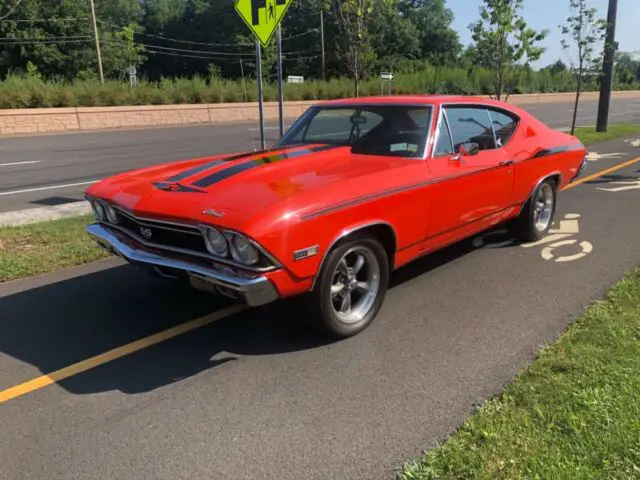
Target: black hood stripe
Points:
(229, 172)
(205, 166)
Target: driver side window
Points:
(470, 125)
(331, 126)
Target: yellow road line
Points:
(88, 364)
(111, 355)
(601, 173)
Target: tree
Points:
(557, 67)
(439, 43)
(627, 69)
(123, 52)
(502, 40)
(12, 8)
(353, 19)
(582, 31)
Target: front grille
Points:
(184, 238)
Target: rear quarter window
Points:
(504, 125)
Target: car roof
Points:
(414, 99)
(426, 99)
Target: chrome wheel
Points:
(543, 207)
(355, 284)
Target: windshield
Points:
(387, 130)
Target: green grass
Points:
(573, 414)
(44, 247)
(589, 136)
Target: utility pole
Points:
(324, 78)
(606, 81)
(95, 33)
(280, 93)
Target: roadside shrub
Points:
(31, 91)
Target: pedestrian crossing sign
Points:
(262, 16)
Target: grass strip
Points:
(45, 247)
(573, 414)
(589, 136)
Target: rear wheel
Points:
(351, 288)
(537, 216)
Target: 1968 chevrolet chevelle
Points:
(355, 189)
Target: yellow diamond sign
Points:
(262, 16)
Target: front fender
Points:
(405, 214)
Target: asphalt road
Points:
(251, 396)
(50, 170)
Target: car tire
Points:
(326, 304)
(537, 216)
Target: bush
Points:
(31, 91)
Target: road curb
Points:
(44, 214)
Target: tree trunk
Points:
(575, 108)
(356, 72)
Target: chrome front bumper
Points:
(255, 291)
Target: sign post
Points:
(280, 94)
(263, 18)
(260, 101)
(385, 77)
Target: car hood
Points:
(231, 190)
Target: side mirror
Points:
(469, 149)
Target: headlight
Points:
(243, 251)
(216, 243)
(112, 215)
(98, 209)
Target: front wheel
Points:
(536, 217)
(351, 288)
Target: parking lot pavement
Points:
(250, 395)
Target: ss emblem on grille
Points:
(146, 232)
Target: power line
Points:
(181, 55)
(284, 59)
(171, 49)
(177, 40)
(301, 34)
(47, 20)
(70, 37)
(42, 42)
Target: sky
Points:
(550, 14)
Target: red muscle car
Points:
(354, 190)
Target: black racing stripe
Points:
(224, 174)
(545, 152)
(208, 165)
(229, 172)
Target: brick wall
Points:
(49, 120)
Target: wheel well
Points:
(382, 232)
(556, 178)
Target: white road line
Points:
(31, 162)
(52, 187)
(581, 119)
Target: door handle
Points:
(506, 163)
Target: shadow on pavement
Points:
(57, 325)
(612, 178)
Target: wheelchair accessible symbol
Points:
(558, 238)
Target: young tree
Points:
(353, 19)
(502, 40)
(582, 32)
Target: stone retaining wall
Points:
(52, 120)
